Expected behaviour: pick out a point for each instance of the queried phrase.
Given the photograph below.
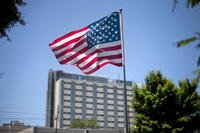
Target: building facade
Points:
(73, 96)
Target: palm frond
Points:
(192, 3)
(198, 62)
(186, 41)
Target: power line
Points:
(15, 112)
(22, 118)
(20, 107)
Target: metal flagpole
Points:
(124, 70)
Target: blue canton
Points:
(104, 30)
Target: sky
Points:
(150, 28)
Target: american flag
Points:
(91, 47)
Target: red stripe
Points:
(74, 55)
(110, 57)
(68, 35)
(71, 49)
(98, 51)
(116, 47)
(99, 66)
(66, 44)
(97, 59)
(88, 64)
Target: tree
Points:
(89, 123)
(10, 15)
(92, 123)
(160, 106)
(78, 123)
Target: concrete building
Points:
(72, 96)
(13, 127)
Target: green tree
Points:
(160, 106)
(92, 123)
(78, 123)
(89, 123)
(10, 15)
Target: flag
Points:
(91, 47)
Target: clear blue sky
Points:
(150, 33)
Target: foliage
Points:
(192, 3)
(185, 42)
(189, 41)
(1, 74)
(89, 123)
(189, 3)
(160, 106)
(10, 15)
(78, 123)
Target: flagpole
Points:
(124, 70)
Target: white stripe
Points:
(106, 45)
(107, 53)
(72, 52)
(95, 64)
(69, 38)
(56, 52)
(87, 61)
